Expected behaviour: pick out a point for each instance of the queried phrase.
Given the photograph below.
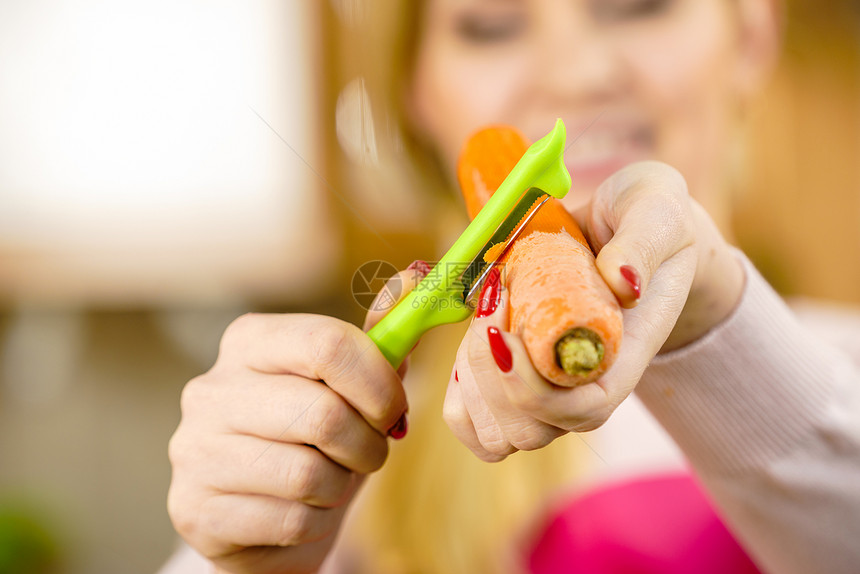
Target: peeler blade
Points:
(479, 268)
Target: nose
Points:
(577, 62)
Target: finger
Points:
(289, 471)
(561, 408)
(647, 326)
(581, 408)
(520, 429)
(395, 290)
(295, 410)
(235, 521)
(487, 429)
(458, 420)
(638, 219)
(320, 348)
(275, 559)
(402, 284)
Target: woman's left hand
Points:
(688, 281)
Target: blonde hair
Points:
(378, 45)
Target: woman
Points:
(276, 438)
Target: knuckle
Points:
(328, 418)
(335, 347)
(184, 525)
(656, 175)
(477, 354)
(588, 425)
(181, 515)
(304, 478)
(591, 422)
(666, 174)
(679, 215)
(453, 413)
(384, 413)
(673, 208)
(296, 525)
(654, 178)
(474, 352)
(177, 448)
(676, 180)
(193, 394)
(496, 445)
(525, 399)
(490, 457)
(376, 456)
(237, 331)
(529, 441)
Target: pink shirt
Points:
(661, 524)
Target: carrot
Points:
(568, 318)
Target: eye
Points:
(619, 10)
(487, 29)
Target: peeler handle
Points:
(428, 305)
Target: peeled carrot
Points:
(568, 318)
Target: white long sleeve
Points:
(187, 561)
(769, 416)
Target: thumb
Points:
(395, 289)
(639, 219)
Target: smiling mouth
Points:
(603, 147)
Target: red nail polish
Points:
(632, 279)
(398, 431)
(501, 352)
(456, 378)
(491, 294)
(420, 266)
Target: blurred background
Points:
(168, 165)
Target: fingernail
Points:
(632, 279)
(420, 266)
(491, 294)
(456, 378)
(398, 431)
(501, 352)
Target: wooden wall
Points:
(799, 209)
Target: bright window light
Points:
(141, 158)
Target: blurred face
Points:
(632, 79)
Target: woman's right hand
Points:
(689, 280)
(275, 439)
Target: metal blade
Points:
(477, 271)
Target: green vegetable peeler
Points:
(446, 294)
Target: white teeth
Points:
(599, 145)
